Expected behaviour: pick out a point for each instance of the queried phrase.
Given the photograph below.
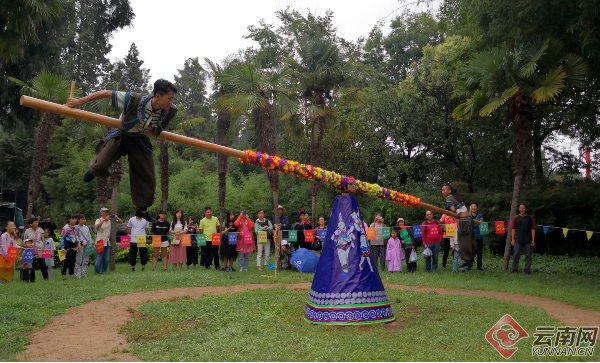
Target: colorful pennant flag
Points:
(90, 249)
(546, 228)
(385, 232)
(309, 235)
(170, 237)
(125, 240)
(62, 254)
(500, 227)
(371, 233)
(378, 233)
(100, 246)
(434, 231)
(141, 241)
(293, 236)
(186, 240)
(484, 228)
(450, 230)
(589, 234)
(201, 240)
(28, 255)
(248, 238)
(418, 232)
(232, 238)
(48, 253)
(156, 241)
(322, 234)
(565, 231)
(216, 239)
(262, 236)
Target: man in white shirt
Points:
(137, 226)
(103, 230)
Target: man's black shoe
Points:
(480, 268)
(88, 177)
(145, 215)
(464, 264)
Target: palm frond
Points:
(240, 103)
(496, 102)
(189, 123)
(576, 69)
(551, 86)
(315, 111)
(284, 106)
(295, 126)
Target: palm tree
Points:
(320, 73)
(223, 124)
(53, 88)
(518, 79)
(262, 95)
(20, 20)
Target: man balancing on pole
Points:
(141, 113)
(466, 232)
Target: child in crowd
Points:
(49, 245)
(82, 260)
(227, 252)
(192, 251)
(68, 243)
(244, 224)
(263, 224)
(27, 268)
(394, 253)
(455, 253)
(407, 238)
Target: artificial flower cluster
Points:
(340, 181)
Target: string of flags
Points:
(448, 230)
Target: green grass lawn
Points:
(27, 307)
(267, 325)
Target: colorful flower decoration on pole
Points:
(340, 181)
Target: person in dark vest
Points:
(141, 114)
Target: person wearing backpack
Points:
(432, 242)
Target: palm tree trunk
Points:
(223, 123)
(163, 158)
(513, 211)
(101, 183)
(116, 172)
(266, 135)
(522, 126)
(316, 157)
(44, 132)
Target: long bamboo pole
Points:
(114, 123)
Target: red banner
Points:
(500, 227)
(309, 235)
(216, 239)
(11, 255)
(100, 246)
(186, 240)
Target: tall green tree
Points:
(129, 72)
(262, 96)
(320, 74)
(518, 79)
(55, 89)
(191, 88)
(21, 19)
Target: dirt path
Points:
(93, 328)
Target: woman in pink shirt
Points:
(244, 224)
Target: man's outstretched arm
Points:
(75, 102)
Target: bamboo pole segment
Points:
(114, 123)
(72, 89)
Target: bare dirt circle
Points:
(92, 329)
